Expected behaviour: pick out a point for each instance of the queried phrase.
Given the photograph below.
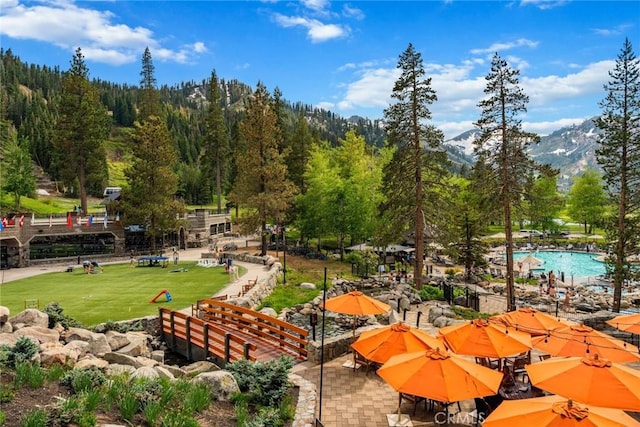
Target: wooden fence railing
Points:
(268, 333)
(196, 339)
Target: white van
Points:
(111, 190)
(534, 233)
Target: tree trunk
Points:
(263, 241)
(219, 185)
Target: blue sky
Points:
(342, 55)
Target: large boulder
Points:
(8, 339)
(117, 340)
(269, 311)
(30, 317)
(138, 346)
(117, 369)
(443, 321)
(97, 343)
(39, 333)
(222, 384)
(200, 367)
(440, 311)
(163, 372)
(4, 314)
(122, 359)
(58, 355)
(90, 362)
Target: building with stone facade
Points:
(40, 240)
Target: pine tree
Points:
(151, 178)
(216, 148)
(619, 156)
(416, 144)
(148, 98)
(83, 126)
(503, 144)
(301, 143)
(152, 182)
(261, 185)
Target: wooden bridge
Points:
(225, 333)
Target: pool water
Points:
(578, 264)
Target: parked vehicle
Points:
(230, 247)
(534, 233)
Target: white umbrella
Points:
(531, 261)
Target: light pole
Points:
(284, 254)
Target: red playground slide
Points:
(163, 292)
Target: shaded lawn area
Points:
(117, 293)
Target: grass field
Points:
(119, 292)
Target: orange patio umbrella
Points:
(356, 303)
(627, 323)
(593, 381)
(581, 340)
(485, 339)
(378, 345)
(529, 320)
(555, 411)
(439, 375)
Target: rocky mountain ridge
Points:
(570, 149)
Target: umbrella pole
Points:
(324, 300)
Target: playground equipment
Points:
(162, 292)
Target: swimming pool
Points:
(578, 264)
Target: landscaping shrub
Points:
(37, 418)
(56, 317)
(266, 383)
(430, 293)
(22, 351)
(123, 328)
(83, 380)
(29, 373)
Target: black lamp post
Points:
(284, 254)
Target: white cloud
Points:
(372, 89)
(453, 129)
(502, 46)
(109, 56)
(616, 31)
(315, 4)
(516, 62)
(199, 47)
(460, 87)
(544, 4)
(352, 12)
(316, 30)
(68, 26)
(588, 81)
(543, 128)
(326, 105)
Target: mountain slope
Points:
(570, 149)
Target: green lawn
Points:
(118, 293)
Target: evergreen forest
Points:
(31, 95)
